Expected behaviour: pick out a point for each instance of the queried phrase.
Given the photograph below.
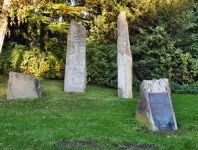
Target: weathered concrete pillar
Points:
(75, 70)
(3, 24)
(124, 58)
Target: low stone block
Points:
(22, 86)
(155, 108)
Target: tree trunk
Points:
(3, 24)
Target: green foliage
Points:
(163, 36)
(184, 89)
(11, 58)
(32, 61)
(37, 27)
(102, 66)
(156, 55)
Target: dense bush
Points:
(11, 58)
(32, 61)
(102, 66)
(184, 89)
(156, 55)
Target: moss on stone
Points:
(141, 117)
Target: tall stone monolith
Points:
(3, 24)
(75, 69)
(124, 58)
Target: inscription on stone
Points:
(155, 108)
(161, 111)
(75, 69)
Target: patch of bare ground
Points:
(92, 144)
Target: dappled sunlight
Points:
(3, 88)
(3, 91)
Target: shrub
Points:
(157, 56)
(12, 57)
(33, 61)
(101, 63)
(184, 89)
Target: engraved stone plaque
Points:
(161, 111)
(155, 108)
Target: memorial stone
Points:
(124, 58)
(23, 86)
(75, 69)
(155, 108)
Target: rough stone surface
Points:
(124, 58)
(23, 86)
(155, 108)
(3, 24)
(75, 69)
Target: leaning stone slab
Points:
(155, 108)
(124, 58)
(23, 86)
(75, 69)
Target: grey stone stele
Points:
(23, 86)
(75, 69)
(124, 58)
(3, 24)
(143, 111)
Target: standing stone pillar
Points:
(124, 58)
(3, 24)
(75, 69)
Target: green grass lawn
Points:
(95, 120)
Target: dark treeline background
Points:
(163, 36)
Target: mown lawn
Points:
(95, 120)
